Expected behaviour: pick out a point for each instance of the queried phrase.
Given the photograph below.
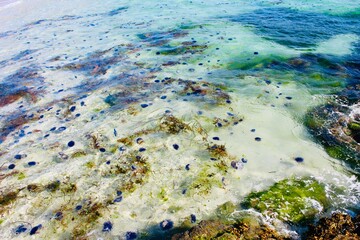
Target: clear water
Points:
(107, 73)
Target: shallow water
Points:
(161, 101)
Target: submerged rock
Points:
(338, 226)
(294, 200)
(336, 127)
(204, 230)
(18, 86)
(161, 38)
(183, 48)
(243, 229)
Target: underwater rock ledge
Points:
(337, 226)
(337, 128)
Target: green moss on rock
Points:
(333, 127)
(338, 152)
(214, 229)
(353, 126)
(293, 200)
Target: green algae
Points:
(217, 151)
(205, 92)
(8, 198)
(113, 149)
(205, 181)
(77, 224)
(53, 186)
(34, 188)
(133, 169)
(88, 218)
(127, 141)
(68, 188)
(321, 74)
(174, 209)
(90, 164)
(131, 139)
(337, 151)
(329, 127)
(313, 122)
(246, 228)
(162, 195)
(21, 176)
(183, 48)
(173, 125)
(65, 187)
(222, 166)
(225, 210)
(294, 200)
(78, 153)
(354, 126)
(254, 63)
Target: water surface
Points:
(133, 112)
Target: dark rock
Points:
(336, 127)
(338, 226)
(204, 230)
(249, 228)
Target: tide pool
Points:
(139, 119)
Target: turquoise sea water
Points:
(118, 115)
